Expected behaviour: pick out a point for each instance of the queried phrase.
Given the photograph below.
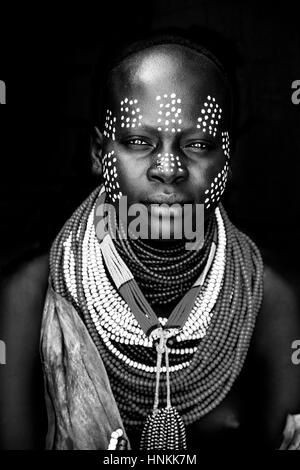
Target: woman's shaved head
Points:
(166, 125)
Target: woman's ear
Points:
(96, 151)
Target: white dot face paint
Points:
(210, 116)
(169, 113)
(168, 163)
(217, 187)
(169, 110)
(130, 113)
(226, 144)
(214, 192)
(130, 117)
(110, 176)
(110, 125)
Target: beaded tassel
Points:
(164, 429)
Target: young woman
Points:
(145, 343)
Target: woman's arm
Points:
(22, 412)
(277, 328)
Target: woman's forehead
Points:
(168, 77)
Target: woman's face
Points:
(165, 134)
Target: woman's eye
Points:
(199, 145)
(137, 141)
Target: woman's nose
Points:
(167, 168)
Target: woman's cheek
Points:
(217, 185)
(216, 188)
(111, 176)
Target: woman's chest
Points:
(220, 428)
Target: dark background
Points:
(47, 58)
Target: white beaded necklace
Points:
(114, 321)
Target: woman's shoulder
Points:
(23, 290)
(25, 279)
(31, 265)
(278, 321)
(279, 315)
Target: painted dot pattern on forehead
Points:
(168, 163)
(130, 113)
(110, 176)
(169, 113)
(110, 125)
(210, 116)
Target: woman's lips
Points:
(164, 198)
(165, 205)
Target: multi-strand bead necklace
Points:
(205, 356)
(163, 274)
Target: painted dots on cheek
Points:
(169, 113)
(110, 125)
(168, 163)
(226, 144)
(214, 192)
(110, 176)
(130, 113)
(210, 116)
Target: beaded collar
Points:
(208, 352)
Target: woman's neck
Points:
(164, 270)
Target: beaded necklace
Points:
(164, 275)
(202, 359)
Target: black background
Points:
(47, 58)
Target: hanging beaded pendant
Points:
(164, 429)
